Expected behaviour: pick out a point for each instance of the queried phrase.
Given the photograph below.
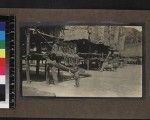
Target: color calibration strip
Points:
(2, 53)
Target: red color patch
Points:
(2, 62)
(2, 70)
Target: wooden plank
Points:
(60, 66)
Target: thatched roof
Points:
(75, 33)
(117, 37)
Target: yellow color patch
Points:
(2, 53)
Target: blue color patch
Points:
(2, 26)
(2, 35)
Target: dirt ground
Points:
(125, 82)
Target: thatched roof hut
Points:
(124, 39)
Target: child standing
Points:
(76, 76)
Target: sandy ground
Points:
(125, 82)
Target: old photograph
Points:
(81, 60)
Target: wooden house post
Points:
(38, 45)
(27, 57)
(47, 74)
(88, 64)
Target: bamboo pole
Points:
(103, 65)
(38, 61)
(27, 60)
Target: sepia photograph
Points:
(81, 60)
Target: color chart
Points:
(2, 61)
(7, 61)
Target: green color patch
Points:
(2, 44)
